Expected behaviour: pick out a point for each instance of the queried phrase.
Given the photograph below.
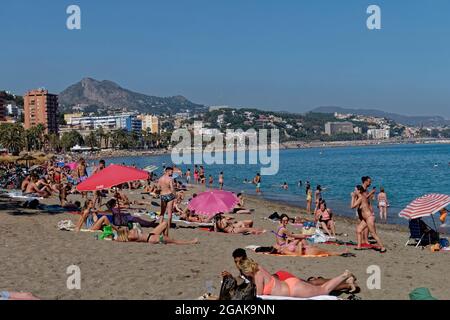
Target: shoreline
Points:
(290, 145)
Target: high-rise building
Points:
(41, 107)
(2, 106)
(332, 128)
(150, 122)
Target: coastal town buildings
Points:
(125, 121)
(149, 123)
(68, 116)
(41, 107)
(332, 128)
(378, 134)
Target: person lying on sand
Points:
(224, 224)
(345, 287)
(294, 244)
(90, 219)
(190, 216)
(155, 237)
(10, 295)
(267, 284)
(240, 209)
(121, 218)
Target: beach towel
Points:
(21, 196)
(263, 297)
(66, 225)
(254, 249)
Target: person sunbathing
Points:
(224, 224)
(288, 243)
(348, 287)
(155, 237)
(190, 216)
(33, 190)
(240, 209)
(267, 284)
(121, 218)
(324, 216)
(90, 219)
(122, 199)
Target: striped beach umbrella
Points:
(425, 206)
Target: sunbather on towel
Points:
(121, 218)
(90, 218)
(294, 244)
(223, 224)
(190, 216)
(154, 237)
(9, 295)
(240, 209)
(267, 284)
(348, 286)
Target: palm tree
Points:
(91, 140)
(100, 133)
(12, 137)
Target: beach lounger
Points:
(420, 232)
(291, 298)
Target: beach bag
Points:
(319, 237)
(232, 290)
(443, 243)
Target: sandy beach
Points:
(35, 255)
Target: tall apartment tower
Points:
(41, 107)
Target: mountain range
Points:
(107, 94)
(402, 119)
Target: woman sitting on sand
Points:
(267, 284)
(240, 209)
(154, 237)
(294, 244)
(324, 216)
(121, 218)
(224, 224)
(90, 218)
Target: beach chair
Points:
(417, 233)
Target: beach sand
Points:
(35, 256)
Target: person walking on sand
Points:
(309, 196)
(257, 182)
(167, 196)
(383, 204)
(221, 180)
(188, 176)
(360, 200)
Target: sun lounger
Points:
(291, 298)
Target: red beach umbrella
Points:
(425, 206)
(212, 202)
(111, 176)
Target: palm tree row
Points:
(15, 138)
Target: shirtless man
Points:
(32, 188)
(167, 195)
(361, 200)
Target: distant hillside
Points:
(109, 94)
(406, 120)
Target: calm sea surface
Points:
(405, 171)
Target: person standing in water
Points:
(221, 180)
(383, 204)
(168, 196)
(188, 176)
(257, 182)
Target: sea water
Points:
(405, 171)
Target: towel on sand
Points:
(253, 248)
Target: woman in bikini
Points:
(308, 199)
(324, 216)
(90, 218)
(223, 224)
(294, 244)
(267, 284)
(383, 205)
(154, 237)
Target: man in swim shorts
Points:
(167, 196)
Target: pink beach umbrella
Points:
(425, 206)
(212, 202)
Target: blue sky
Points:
(278, 55)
